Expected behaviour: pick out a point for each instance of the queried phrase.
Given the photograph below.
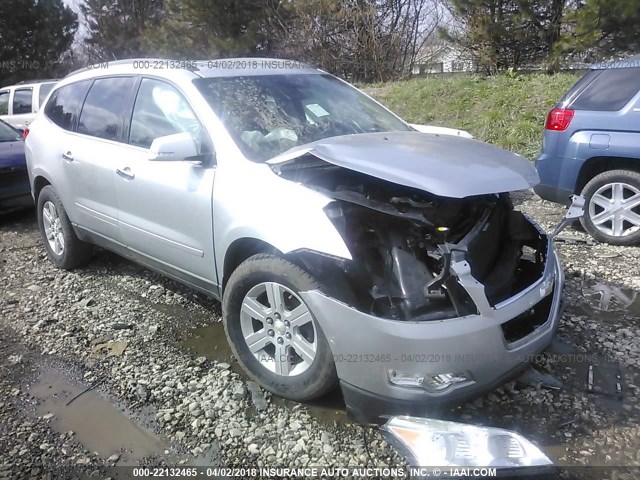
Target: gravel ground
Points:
(201, 409)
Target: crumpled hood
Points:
(443, 165)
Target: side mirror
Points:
(173, 148)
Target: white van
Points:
(19, 103)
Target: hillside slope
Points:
(506, 110)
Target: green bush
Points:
(506, 110)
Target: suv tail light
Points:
(558, 119)
(25, 133)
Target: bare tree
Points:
(363, 40)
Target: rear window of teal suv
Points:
(590, 147)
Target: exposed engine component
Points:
(402, 241)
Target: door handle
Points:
(68, 156)
(125, 173)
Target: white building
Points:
(442, 59)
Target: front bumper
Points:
(366, 347)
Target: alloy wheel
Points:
(278, 329)
(53, 228)
(614, 209)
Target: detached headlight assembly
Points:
(438, 443)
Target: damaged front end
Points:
(409, 247)
(449, 291)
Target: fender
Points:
(260, 205)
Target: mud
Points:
(95, 421)
(609, 302)
(210, 342)
(172, 369)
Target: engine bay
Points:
(402, 241)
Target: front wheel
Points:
(273, 333)
(613, 207)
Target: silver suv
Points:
(346, 247)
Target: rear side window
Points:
(45, 88)
(4, 103)
(105, 108)
(577, 88)
(609, 91)
(22, 101)
(63, 107)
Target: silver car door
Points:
(165, 207)
(90, 158)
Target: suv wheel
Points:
(273, 333)
(612, 214)
(63, 247)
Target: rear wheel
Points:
(63, 247)
(273, 333)
(612, 213)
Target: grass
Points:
(506, 110)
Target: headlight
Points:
(428, 442)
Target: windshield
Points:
(8, 134)
(269, 114)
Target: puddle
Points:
(97, 424)
(211, 343)
(180, 312)
(610, 301)
(326, 410)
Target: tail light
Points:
(25, 133)
(558, 119)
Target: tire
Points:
(66, 251)
(296, 378)
(611, 213)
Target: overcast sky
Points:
(72, 3)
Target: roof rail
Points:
(44, 80)
(193, 63)
(125, 61)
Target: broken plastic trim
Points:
(574, 212)
(473, 284)
(462, 270)
(404, 241)
(458, 258)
